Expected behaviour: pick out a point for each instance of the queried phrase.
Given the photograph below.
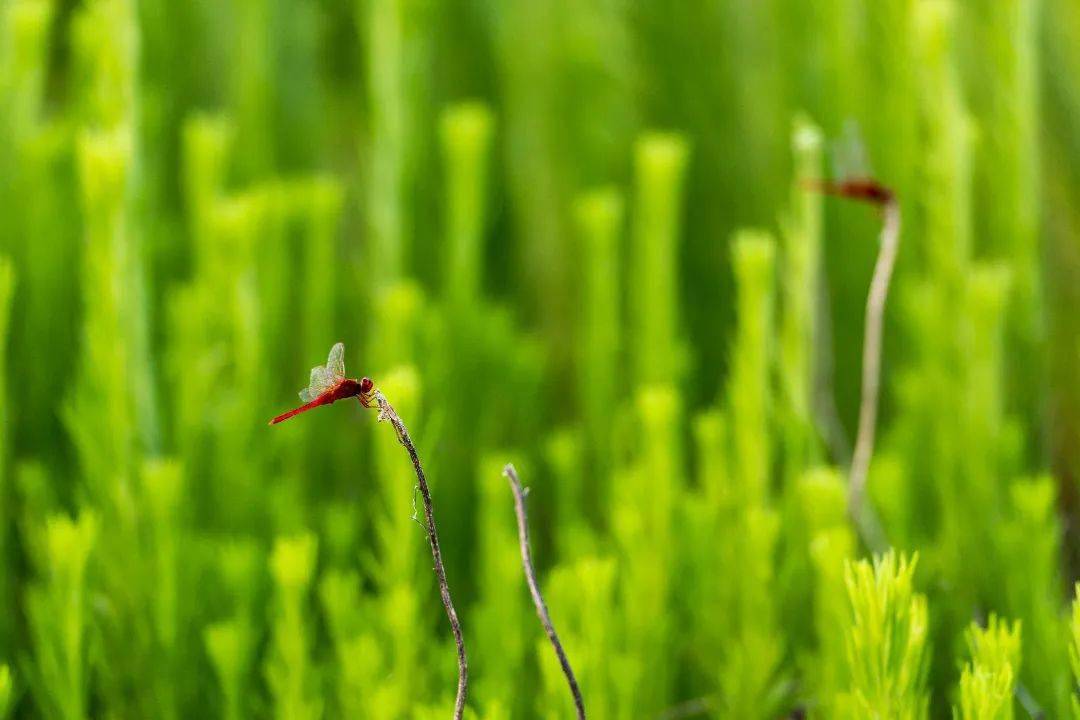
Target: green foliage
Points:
(290, 673)
(229, 647)
(886, 638)
(988, 681)
(579, 229)
(1074, 649)
(5, 690)
(57, 607)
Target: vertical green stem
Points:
(660, 162)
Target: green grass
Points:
(571, 235)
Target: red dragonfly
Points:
(865, 189)
(328, 384)
(855, 181)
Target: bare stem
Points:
(871, 370)
(534, 588)
(386, 412)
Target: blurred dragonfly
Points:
(853, 178)
(328, 384)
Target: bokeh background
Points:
(570, 234)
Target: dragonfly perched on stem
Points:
(328, 384)
(854, 179)
(856, 183)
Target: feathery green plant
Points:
(988, 681)
(58, 617)
(886, 639)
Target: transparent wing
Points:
(850, 161)
(305, 396)
(320, 382)
(335, 363)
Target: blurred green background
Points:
(567, 234)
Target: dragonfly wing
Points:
(335, 363)
(305, 396)
(850, 160)
(320, 381)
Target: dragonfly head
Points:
(367, 391)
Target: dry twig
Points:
(871, 370)
(534, 588)
(872, 192)
(387, 413)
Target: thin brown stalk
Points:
(871, 370)
(386, 412)
(534, 588)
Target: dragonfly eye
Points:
(366, 385)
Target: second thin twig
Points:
(534, 588)
(872, 342)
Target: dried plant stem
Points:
(386, 412)
(534, 588)
(871, 372)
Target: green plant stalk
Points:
(1005, 92)
(1031, 540)
(988, 453)
(712, 438)
(660, 162)
(252, 94)
(748, 529)
(23, 66)
(890, 86)
(599, 216)
(801, 288)
(644, 516)
(397, 43)
(163, 488)
(290, 674)
(946, 173)
(815, 505)
(5, 691)
(399, 312)
(103, 390)
(321, 203)
(206, 149)
(229, 291)
(565, 457)
(58, 619)
(753, 259)
(466, 131)
(229, 647)
(7, 575)
(830, 550)
(1074, 651)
